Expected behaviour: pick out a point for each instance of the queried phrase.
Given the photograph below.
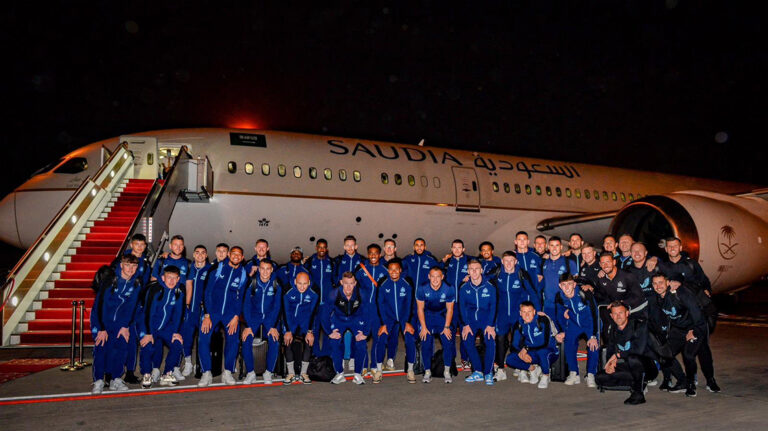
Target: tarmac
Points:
(53, 400)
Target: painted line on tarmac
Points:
(81, 396)
(740, 323)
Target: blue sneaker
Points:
(489, 379)
(477, 376)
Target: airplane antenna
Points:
(421, 143)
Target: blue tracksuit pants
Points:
(542, 357)
(337, 348)
(571, 344)
(273, 347)
(231, 345)
(110, 357)
(427, 346)
(390, 340)
(486, 364)
(152, 354)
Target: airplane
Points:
(293, 189)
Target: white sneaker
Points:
(267, 378)
(177, 374)
(168, 379)
(427, 376)
(358, 379)
(516, 373)
(351, 364)
(524, 377)
(500, 375)
(448, 378)
(390, 365)
(544, 381)
(227, 378)
(118, 385)
(338, 379)
(573, 379)
(146, 381)
(98, 386)
(653, 382)
(534, 375)
(188, 367)
(155, 375)
(205, 379)
(591, 381)
(250, 378)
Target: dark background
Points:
(668, 85)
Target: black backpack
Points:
(321, 369)
(438, 367)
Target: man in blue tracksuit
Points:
(143, 272)
(262, 252)
(456, 274)
(552, 268)
(576, 316)
(487, 259)
(261, 308)
(322, 271)
(287, 273)
(434, 308)
(527, 257)
(299, 317)
(416, 265)
(174, 258)
(346, 311)
(222, 305)
(160, 318)
(198, 274)
(514, 285)
(368, 276)
(347, 261)
(112, 316)
(533, 346)
(395, 307)
(477, 304)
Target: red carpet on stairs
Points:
(53, 323)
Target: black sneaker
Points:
(691, 391)
(665, 386)
(131, 379)
(635, 398)
(712, 386)
(678, 388)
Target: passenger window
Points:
(586, 194)
(297, 171)
(506, 188)
(631, 197)
(623, 197)
(231, 167)
(343, 174)
(605, 195)
(549, 191)
(356, 176)
(411, 180)
(517, 188)
(384, 178)
(436, 182)
(398, 179)
(265, 169)
(150, 159)
(281, 170)
(424, 181)
(577, 192)
(249, 168)
(495, 186)
(567, 192)
(312, 172)
(538, 190)
(596, 194)
(527, 189)
(328, 174)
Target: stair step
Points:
(104, 259)
(112, 251)
(111, 243)
(71, 289)
(105, 236)
(118, 230)
(83, 266)
(58, 313)
(63, 303)
(46, 337)
(56, 324)
(72, 274)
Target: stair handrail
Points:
(90, 193)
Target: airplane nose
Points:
(9, 232)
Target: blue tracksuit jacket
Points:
(223, 296)
(299, 310)
(182, 263)
(262, 303)
(477, 304)
(395, 302)
(321, 273)
(115, 304)
(416, 267)
(162, 312)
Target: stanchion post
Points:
(71, 366)
(80, 363)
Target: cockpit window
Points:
(73, 166)
(47, 167)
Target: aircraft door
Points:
(145, 152)
(467, 190)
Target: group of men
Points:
(509, 311)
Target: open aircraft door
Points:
(467, 191)
(144, 149)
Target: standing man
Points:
(553, 267)
(477, 304)
(540, 246)
(610, 246)
(322, 270)
(222, 305)
(288, 272)
(262, 253)
(261, 308)
(577, 317)
(395, 307)
(625, 251)
(575, 244)
(390, 251)
(620, 285)
(368, 276)
(416, 265)
(175, 258)
(527, 258)
(590, 267)
(347, 312)
(348, 261)
(487, 259)
(434, 307)
(639, 268)
(198, 274)
(456, 274)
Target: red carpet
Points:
(16, 368)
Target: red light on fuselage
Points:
(243, 124)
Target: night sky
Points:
(677, 86)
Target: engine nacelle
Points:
(727, 235)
